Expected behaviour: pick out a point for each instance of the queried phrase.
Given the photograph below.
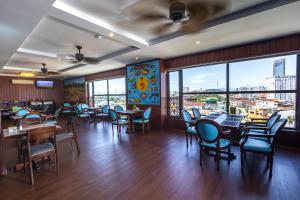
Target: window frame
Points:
(228, 92)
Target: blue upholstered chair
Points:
(261, 128)
(54, 119)
(81, 115)
(104, 114)
(250, 143)
(189, 127)
(31, 119)
(119, 109)
(210, 133)
(116, 121)
(85, 108)
(67, 108)
(196, 113)
(22, 112)
(144, 120)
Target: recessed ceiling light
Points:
(98, 36)
(136, 58)
(111, 34)
(198, 42)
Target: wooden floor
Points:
(155, 166)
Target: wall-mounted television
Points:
(44, 84)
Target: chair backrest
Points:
(79, 107)
(147, 113)
(105, 109)
(57, 112)
(67, 104)
(276, 128)
(41, 135)
(196, 113)
(84, 106)
(77, 111)
(31, 119)
(187, 118)
(113, 115)
(22, 112)
(208, 130)
(118, 108)
(272, 120)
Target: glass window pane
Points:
(205, 79)
(100, 101)
(262, 105)
(117, 100)
(174, 94)
(206, 103)
(117, 86)
(100, 87)
(277, 73)
(90, 96)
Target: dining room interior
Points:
(191, 99)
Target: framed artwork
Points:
(74, 90)
(143, 83)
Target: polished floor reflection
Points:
(154, 166)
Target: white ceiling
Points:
(76, 22)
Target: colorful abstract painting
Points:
(75, 90)
(143, 83)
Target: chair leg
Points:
(271, 166)
(31, 172)
(187, 140)
(148, 127)
(191, 139)
(242, 161)
(56, 162)
(201, 155)
(268, 161)
(77, 145)
(218, 160)
(143, 126)
(229, 152)
(112, 127)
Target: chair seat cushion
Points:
(224, 143)
(63, 136)
(66, 111)
(140, 121)
(102, 115)
(51, 122)
(83, 115)
(41, 148)
(191, 130)
(257, 145)
(120, 122)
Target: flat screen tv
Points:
(44, 84)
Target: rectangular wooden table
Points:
(131, 114)
(21, 131)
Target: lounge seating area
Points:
(150, 99)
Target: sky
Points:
(242, 74)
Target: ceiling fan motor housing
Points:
(177, 11)
(79, 56)
(44, 70)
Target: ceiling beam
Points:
(261, 7)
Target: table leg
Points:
(3, 169)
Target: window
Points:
(90, 94)
(109, 92)
(253, 88)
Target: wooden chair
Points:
(210, 134)
(54, 119)
(115, 120)
(39, 146)
(70, 134)
(144, 120)
(261, 143)
(189, 127)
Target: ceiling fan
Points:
(79, 58)
(46, 72)
(188, 14)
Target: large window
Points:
(253, 88)
(108, 92)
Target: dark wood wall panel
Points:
(10, 92)
(258, 49)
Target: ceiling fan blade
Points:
(151, 18)
(52, 73)
(163, 28)
(91, 60)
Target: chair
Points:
(189, 127)
(67, 108)
(22, 112)
(261, 121)
(144, 120)
(210, 133)
(31, 119)
(115, 120)
(16, 108)
(249, 143)
(119, 109)
(196, 113)
(70, 134)
(39, 146)
(81, 115)
(104, 114)
(54, 119)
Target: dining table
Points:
(17, 133)
(131, 114)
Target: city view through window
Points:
(257, 88)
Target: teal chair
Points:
(144, 120)
(67, 108)
(31, 119)
(81, 115)
(85, 108)
(210, 133)
(116, 121)
(262, 129)
(54, 119)
(196, 113)
(189, 127)
(104, 114)
(250, 143)
(22, 112)
(119, 109)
